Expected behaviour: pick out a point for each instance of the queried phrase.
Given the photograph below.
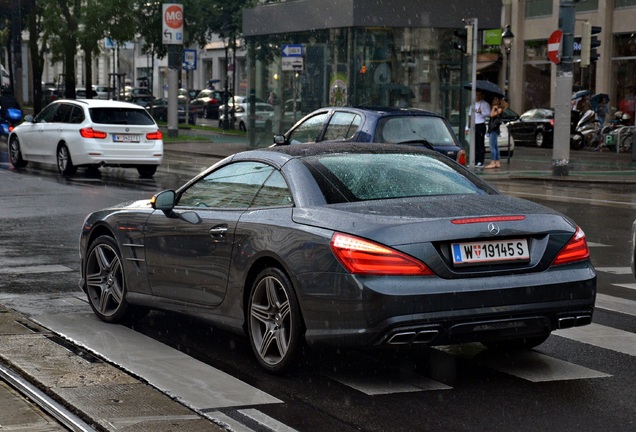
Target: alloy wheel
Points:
(105, 282)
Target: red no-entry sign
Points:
(554, 46)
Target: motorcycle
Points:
(9, 120)
(585, 131)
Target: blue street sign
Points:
(189, 60)
(293, 50)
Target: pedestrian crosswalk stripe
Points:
(372, 385)
(603, 337)
(615, 270)
(629, 285)
(616, 304)
(536, 367)
(593, 244)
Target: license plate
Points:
(126, 138)
(490, 251)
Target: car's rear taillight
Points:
(461, 157)
(214, 101)
(92, 133)
(361, 256)
(551, 122)
(574, 250)
(157, 135)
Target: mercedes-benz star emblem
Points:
(493, 228)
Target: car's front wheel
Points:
(105, 280)
(146, 171)
(15, 154)
(64, 162)
(274, 321)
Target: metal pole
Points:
(563, 93)
(473, 93)
(226, 121)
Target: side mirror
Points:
(279, 140)
(163, 200)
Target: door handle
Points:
(219, 231)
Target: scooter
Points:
(9, 120)
(585, 131)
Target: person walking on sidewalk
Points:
(482, 110)
(496, 113)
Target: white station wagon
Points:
(89, 133)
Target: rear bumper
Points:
(437, 311)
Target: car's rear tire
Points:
(64, 162)
(105, 282)
(274, 321)
(15, 154)
(539, 139)
(146, 171)
(516, 344)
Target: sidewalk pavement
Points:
(527, 163)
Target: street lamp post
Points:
(226, 99)
(506, 40)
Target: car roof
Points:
(99, 103)
(381, 111)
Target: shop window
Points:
(538, 8)
(618, 4)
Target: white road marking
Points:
(615, 270)
(227, 422)
(196, 384)
(593, 244)
(563, 198)
(373, 385)
(603, 337)
(616, 304)
(266, 420)
(628, 285)
(53, 268)
(535, 367)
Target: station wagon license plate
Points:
(126, 138)
(490, 251)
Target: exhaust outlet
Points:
(566, 322)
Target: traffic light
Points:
(461, 43)
(589, 43)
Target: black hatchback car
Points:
(379, 125)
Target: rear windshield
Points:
(129, 116)
(364, 177)
(403, 129)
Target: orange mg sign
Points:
(172, 29)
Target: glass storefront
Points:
(623, 73)
(398, 67)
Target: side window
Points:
(309, 130)
(47, 114)
(62, 114)
(231, 187)
(342, 126)
(77, 115)
(274, 192)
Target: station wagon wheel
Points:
(539, 139)
(274, 322)
(64, 163)
(516, 344)
(146, 171)
(15, 155)
(105, 280)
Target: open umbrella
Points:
(597, 98)
(486, 86)
(579, 94)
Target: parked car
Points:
(104, 92)
(263, 120)
(536, 127)
(360, 245)
(49, 94)
(159, 110)
(90, 133)
(208, 102)
(188, 94)
(380, 125)
(81, 93)
(143, 100)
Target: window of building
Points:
(587, 6)
(536, 73)
(538, 8)
(623, 72)
(618, 4)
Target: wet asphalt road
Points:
(458, 389)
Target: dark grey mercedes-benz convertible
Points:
(356, 245)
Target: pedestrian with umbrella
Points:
(599, 103)
(482, 110)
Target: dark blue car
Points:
(381, 125)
